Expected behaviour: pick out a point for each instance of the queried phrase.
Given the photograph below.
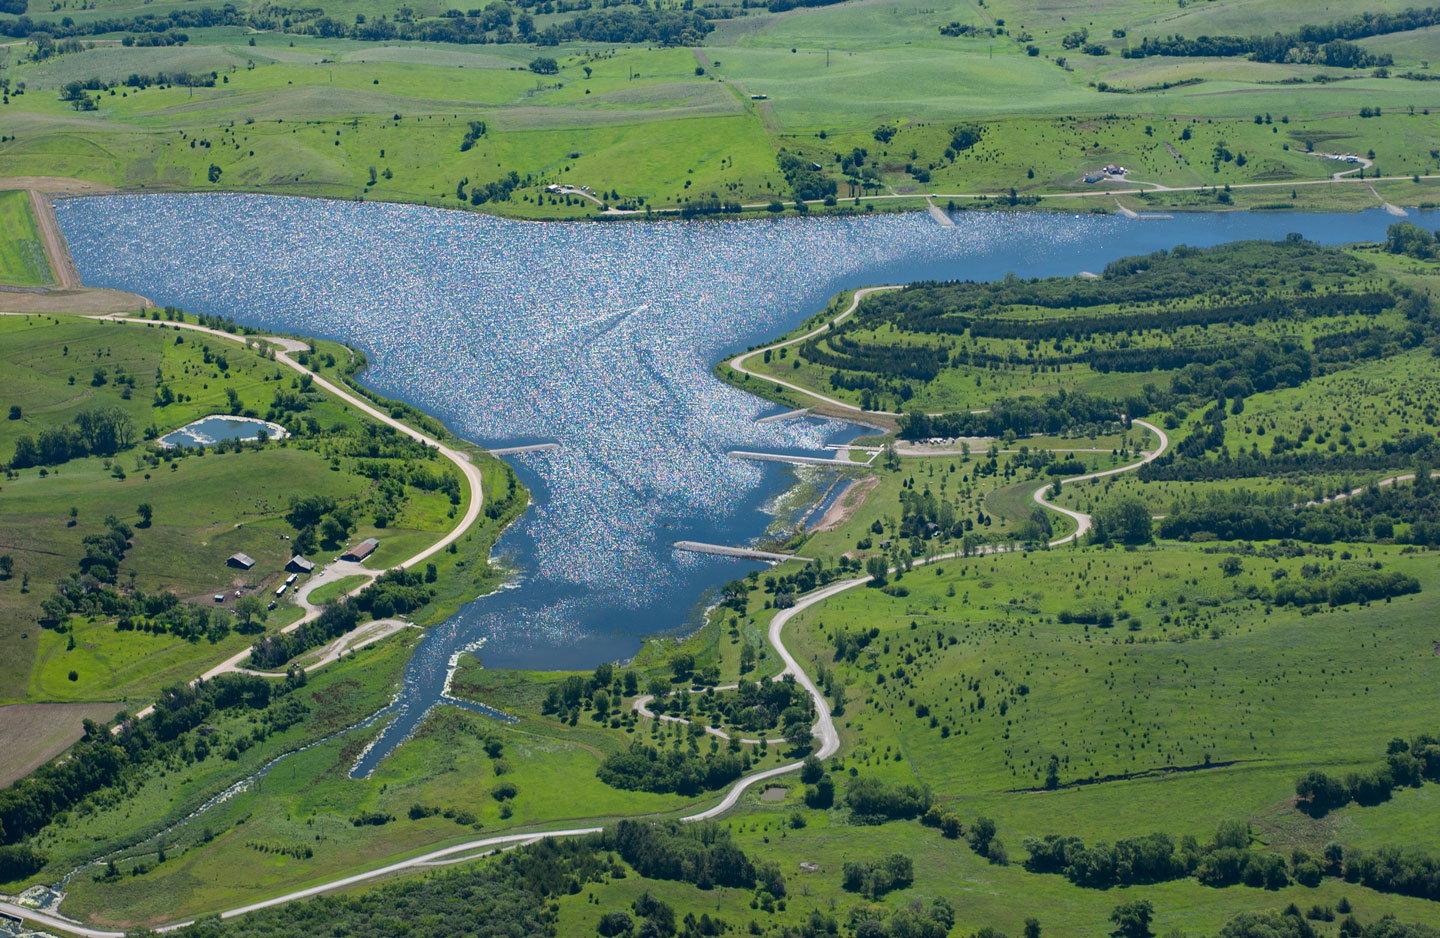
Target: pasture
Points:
(22, 256)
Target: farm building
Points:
(362, 550)
(243, 561)
(299, 564)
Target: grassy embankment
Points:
(22, 259)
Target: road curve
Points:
(824, 731)
(1082, 520)
(738, 362)
(283, 347)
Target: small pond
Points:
(207, 431)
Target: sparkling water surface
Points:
(600, 337)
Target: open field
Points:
(647, 126)
(22, 258)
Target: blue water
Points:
(600, 336)
(213, 429)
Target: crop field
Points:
(22, 257)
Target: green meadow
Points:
(22, 258)
(649, 126)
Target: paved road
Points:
(738, 362)
(1082, 520)
(284, 346)
(824, 731)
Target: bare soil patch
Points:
(32, 734)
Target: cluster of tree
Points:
(837, 350)
(804, 176)
(1184, 463)
(683, 771)
(156, 40)
(476, 131)
(1372, 513)
(872, 801)
(1179, 274)
(498, 190)
(1291, 923)
(912, 920)
(874, 878)
(189, 18)
(102, 759)
(1023, 416)
(710, 205)
(752, 706)
(645, 25)
(1408, 764)
(704, 855)
(1325, 44)
(1337, 53)
(168, 79)
(1227, 860)
(98, 431)
(1252, 311)
(1412, 241)
(1125, 520)
(395, 592)
(604, 684)
(335, 620)
(780, 6)
(1341, 587)
(319, 519)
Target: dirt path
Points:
(62, 265)
(846, 505)
(641, 705)
(1082, 520)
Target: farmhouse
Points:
(243, 561)
(299, 564)
(362, 550)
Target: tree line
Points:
(102, 759)
(1408, 764)
(1323, 44)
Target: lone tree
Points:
(1125, 521)
(544, 66)
(250, 612)
(1132, 919)
(145, 512)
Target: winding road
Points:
(283, 347)
(824, 731)
(738, 362)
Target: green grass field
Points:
(647, 126)
(22, 258)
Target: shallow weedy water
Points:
(210, 430)
(600, 336)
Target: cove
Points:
(600, 337)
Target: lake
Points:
(599, 336)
